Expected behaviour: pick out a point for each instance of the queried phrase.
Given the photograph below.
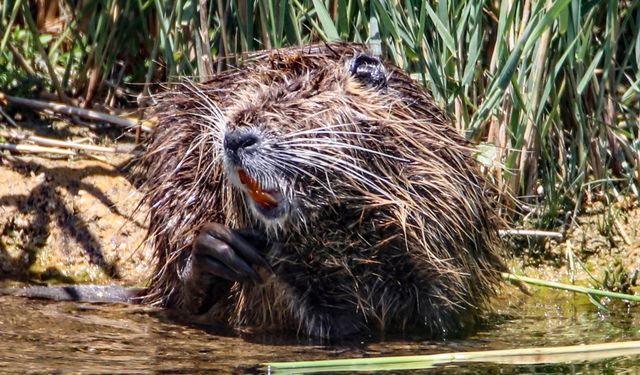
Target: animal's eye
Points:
(368, 70)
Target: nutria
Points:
(318, 190)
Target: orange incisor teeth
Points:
(262, 198)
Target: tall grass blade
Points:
(325, 19)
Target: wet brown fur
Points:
(394, 233)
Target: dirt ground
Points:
(70, 220)
(601, 248)
(74, 220)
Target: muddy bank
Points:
(601, 249)
(70, 220)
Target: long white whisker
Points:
(314, 130)
(315, 142)
(212, 107)
(330, 132)
(350, 168)
(294, 168)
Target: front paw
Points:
(231, 254)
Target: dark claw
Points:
(237, 240)
(208, 246)
(226, 253)
(216, 268)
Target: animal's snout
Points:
(240, 141)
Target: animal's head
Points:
(301, 130)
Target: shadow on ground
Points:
(69, 221)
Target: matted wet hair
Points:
(387, 224)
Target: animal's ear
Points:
(368, 70)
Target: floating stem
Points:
(509, 356)
(572, 288)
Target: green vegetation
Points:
(591, 292)
(551, 90)
(524, 356)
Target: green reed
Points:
(522, 356)
(549, 89)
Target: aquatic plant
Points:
(549, 89)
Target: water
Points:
(44, 337)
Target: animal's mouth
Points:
(268, 202)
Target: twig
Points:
(7, 117)
(35, 149)
(68, 144)
(59, 143)
(22, 61)
(530, 233)
(621, 231)
(51, 97)
(73, 111)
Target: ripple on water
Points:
(74, 337)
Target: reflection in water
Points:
(74, 337)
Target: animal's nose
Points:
(236, 140)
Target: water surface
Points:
(42, 336)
